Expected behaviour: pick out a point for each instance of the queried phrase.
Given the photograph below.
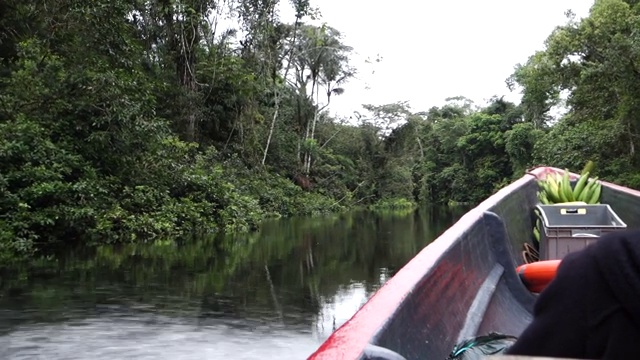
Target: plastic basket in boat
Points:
(569, 228)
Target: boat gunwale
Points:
(347, 343)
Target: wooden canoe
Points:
(461, 285)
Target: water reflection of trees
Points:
(281, 275)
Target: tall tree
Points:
(594, 60)
(302, 9)
(320, 62)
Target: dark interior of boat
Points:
(473, 288)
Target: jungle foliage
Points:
(129, 121)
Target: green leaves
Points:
(596, 61)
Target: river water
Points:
(274, 294)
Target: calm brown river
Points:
(274, 294)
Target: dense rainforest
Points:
(127, 121)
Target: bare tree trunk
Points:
(331, 138)
(298, 149)
(419, 144)
(183, 36)
(632, 148)
(277, 91)
(307, 164)
(273, 125)
(308, 131)
(190, 38)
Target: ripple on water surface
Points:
(152, 337)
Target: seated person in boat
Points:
(591, 310)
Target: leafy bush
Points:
(393, 204)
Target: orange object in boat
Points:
(537, 275)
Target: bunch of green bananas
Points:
(538, 226)
(556, 189)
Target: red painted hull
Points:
(462, 284)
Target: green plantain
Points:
(561, 193)
(587, 193)
(542, 196)
(588, 167)
(566, 186)
(595, 197)
(552, 190)
(580, 185)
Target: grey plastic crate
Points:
(569, 228)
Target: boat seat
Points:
(375, 352)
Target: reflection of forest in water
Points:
(308, 274)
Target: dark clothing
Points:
(591, 310)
